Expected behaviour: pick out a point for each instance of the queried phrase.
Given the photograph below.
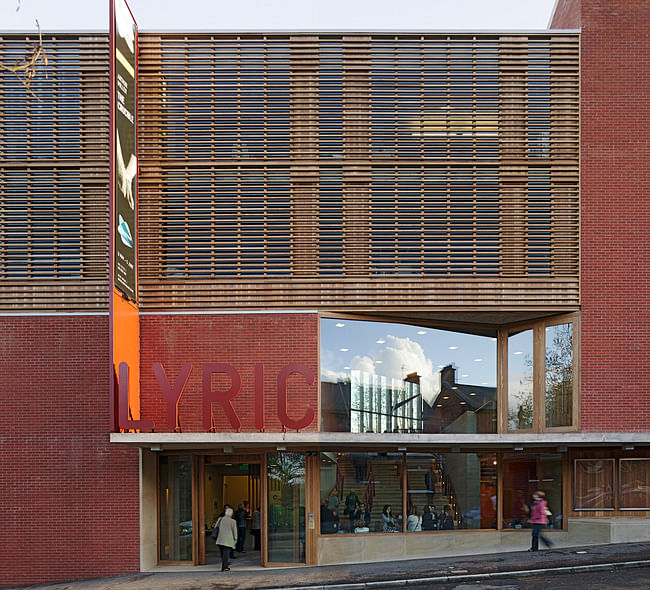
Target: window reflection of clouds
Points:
(404, 351)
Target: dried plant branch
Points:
(26, 70)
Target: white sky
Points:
(57, 15)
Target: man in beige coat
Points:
(227, 537)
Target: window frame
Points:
(618, 486)
(539, 374)
(612, 461)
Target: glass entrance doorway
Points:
(236, 485)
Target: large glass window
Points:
(524, 475)
(175, 488)
(559, 375)
(286, 507)
(594, 484)
(540, 376)
(451, 491)
(520, 381)
(383, 377)
(361, 493)
(634, 482)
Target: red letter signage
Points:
(308, 374)
(172, 394)
(223, 397)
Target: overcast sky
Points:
(282, 14)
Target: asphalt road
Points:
(614, 579)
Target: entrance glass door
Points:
(175, 488)
(286, 507)
(231, 484)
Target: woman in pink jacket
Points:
(539, 514)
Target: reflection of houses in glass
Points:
(461, 408)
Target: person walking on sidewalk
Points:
(227, 537)
(539, 514)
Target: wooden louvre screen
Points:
(350, 171)
(338, 171)
(54, 175)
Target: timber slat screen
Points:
(54, 175)
(288, 170)
(350, 171)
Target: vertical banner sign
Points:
(123, 273)
(125, 161)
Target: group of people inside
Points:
(357, 513)
(229, 531)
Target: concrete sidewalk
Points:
(492, 560)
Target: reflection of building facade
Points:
(370, 287)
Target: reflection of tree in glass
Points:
(559, 375)
(288, 469)
(520, 406)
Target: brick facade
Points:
(241, 340)
(615, 271)
(68, 499)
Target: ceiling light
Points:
(420, 332)
(462, 403)
(380, 341)
(445, 397)
(441, 366)
(340, 325)
(464, 375)
(519, 352)
(473, 393)
(344, 349)
(439, 406)
(477, 360)
(452, 347)
(346, 368)
(378, 362)
(484, 383)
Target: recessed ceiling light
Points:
(463, 403)
(484, 383)
(422, 332)
(473, 393)
(347, 368)
(340, 325)
(344, 349)
(464, 375)
(379, 362)
(454, 386)
(380, 341)
(439, 406)
(452, 347)
(519, 352)
(445, 397)
(477, 360)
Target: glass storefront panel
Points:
(520, 381)
(360, 493)
(594, 484)
(559, 375)
(175, 488)
(634, 482)
(286, 507)
(384, 377)
(451, 491)
(523, 475)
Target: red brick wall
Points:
(615, 181)
(242, 340)
(566, 15)
(68, 500)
